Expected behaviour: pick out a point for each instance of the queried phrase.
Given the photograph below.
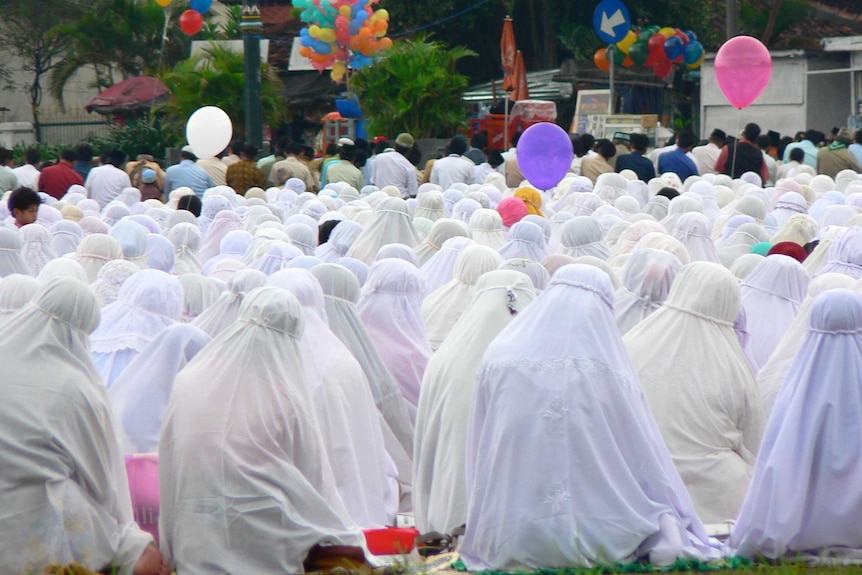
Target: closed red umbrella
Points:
(521, 91)
(507, 53)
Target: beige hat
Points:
(844, 136)
(405, 140)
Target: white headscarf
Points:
(224, 311)
(771, 295)
(646, 282)
(340, 241)
(443, 229)
(199, 292)
(771, 376)
(349, 420)
(390, 308)
(525, 240)
(16, 290)
(233, 246)
(845, 255)
(567, 405)
(110, 279)
(225, 221)
(440, 268)
(582, 236)
(700, 387)
(692, 230)
(439, 458)
(803, 498)
(62, 267)
(186, 239)
(390, 224)
(75, 502)
(37, 248)
(132, 237)
(66, 236)
(442, 308)
(486, 226)
(11, 261)
(148, 302)
(240, 429)
(160, 253)
(398, 251)
(140, 394)
(95, 251)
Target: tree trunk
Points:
(732, 18)
(773, 18)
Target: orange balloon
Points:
(628, 62)
(600, 58)
(365, 33)
(381, 26)
(305, 51)
(385, 43)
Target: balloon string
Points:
(736, 145)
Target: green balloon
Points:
(617, 54)
(639, 52)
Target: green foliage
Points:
(579, 40)
(119, 39)
(139, 134)
(227, 30)
(415, 88)
(217, 79)
(754, 20)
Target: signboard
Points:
(611, 21)
(590, 103)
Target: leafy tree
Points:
(28, 32)
(227, 30)
(119, 39)
(415, 88)
(217, 79)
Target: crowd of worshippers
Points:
(622, 369)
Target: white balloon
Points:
(208, 131)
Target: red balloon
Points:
(600, 58)
(682, 36)
(191, 22)
(656, 42)
(663, 68)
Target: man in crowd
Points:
(215, 167)
(836, 157)
(187, 173)
(267, 162)
(392, 168)
(707, 156)
(743, 155)
(764, 143)
(797, 157)
(8, 179)
(454, 168)
(343, 169)
(84, 163)
(677, 160)
(105, 182)
(57, 179)
(145, 161)
(636, 160)
(28, 172)
(594, 166)
(808, 145)
(292, 166)
(244, 174)
(622, 143)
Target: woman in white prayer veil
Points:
(692, 230)
(396, 251)
(186, 239)
(15, 291)
(340, 241)
(531, 268)
(567, 406)
(133, 239)
(95, 251)
(141, 393)
(486, 227)
(443, 229)
(233, 246)
(647, 279)
(11, 261)
(817, 259)
(701, 388)
(740, 243)
(65, 492)
(845, 254)
(110, 279)
(440, 269)
(199, 293)
(65, 237)
(160, 253)
(525, 240)
(341, 291)
(37, 249)
(442, 308)
(439, 459)
(430, 205)
(246, 486)
(224, 311)
(390, 224)
(225, 222)
(804, 502)
(771, 296)
(62, 267)
(771, 376)
(390, 306)
(148, 302)
(349, 420)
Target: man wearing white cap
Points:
(392, 168)
(343, 169)
(188, 174)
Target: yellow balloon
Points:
(314, 31)
(381, 14)
(666, 32)
(338, 71)
(163, 3)
(327, 35)
(344, 11)
(627, 42)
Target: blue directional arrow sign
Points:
(612, 21)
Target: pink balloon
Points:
(743, 68)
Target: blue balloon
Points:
(545, 154)
(362, 16)
(201, 6)
(692, 52)
(673, 47)
(355, 27)
(321, 47)
(692, 37)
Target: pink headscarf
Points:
(512, 210)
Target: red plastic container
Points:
(392, 541)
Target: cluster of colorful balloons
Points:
(656, 47)
(192, 20)
(342, 33)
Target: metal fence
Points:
(71, 126)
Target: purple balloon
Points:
(545, 154)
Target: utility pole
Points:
(251, 31)
(732, 18)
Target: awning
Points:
(129, 95)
